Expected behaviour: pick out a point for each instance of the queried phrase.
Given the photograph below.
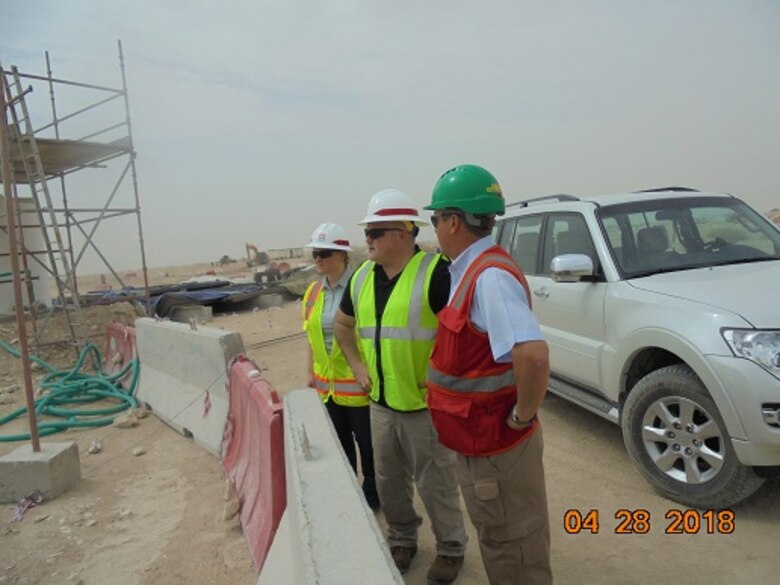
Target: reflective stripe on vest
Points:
(414, 330)
(339, 387)
(481, 384)
(311, 299)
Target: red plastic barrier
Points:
(253, 455)
(120, 349)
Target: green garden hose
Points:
(75, 388)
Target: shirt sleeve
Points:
(501, 309)
(346, 306)
(439, 290)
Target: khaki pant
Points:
(407, 452)
(507, 501)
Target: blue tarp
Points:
(218, 294)
(162, 304)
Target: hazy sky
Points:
(256, 120)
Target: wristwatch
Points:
(517, 421)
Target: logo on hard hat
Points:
(321, 236)
(495, 188)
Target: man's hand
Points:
(362, 377)
(344, 330)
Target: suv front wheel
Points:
(674, 432)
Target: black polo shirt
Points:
(438, 296)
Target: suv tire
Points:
(674, 432)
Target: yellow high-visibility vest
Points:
(404, 334)
(332, 374)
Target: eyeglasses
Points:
(435, 218)
(321, 254)
(376, 233)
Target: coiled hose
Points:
(74, 388)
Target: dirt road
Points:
(156, 518)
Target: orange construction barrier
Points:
(253, 455)
(120, 349)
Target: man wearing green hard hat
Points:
(487, 378)
(468, 188)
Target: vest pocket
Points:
(454, 406)
(451, 319)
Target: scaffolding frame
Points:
(59, 157)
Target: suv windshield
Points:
(664, 235)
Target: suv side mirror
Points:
(571, 267)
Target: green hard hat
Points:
(469, 188)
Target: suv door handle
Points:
(541, 292)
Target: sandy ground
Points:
(157, 517)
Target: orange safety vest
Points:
(470, 395)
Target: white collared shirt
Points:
(500, 305)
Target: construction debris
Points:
(95, 447)
(29, 501)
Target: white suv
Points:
(662, 312)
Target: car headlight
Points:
(762, 347)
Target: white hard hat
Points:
(392, 205)
(329, 236)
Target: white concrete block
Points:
(267, 301)
(183, 376)
(186, 313)
(52, 470)
(280, 561)
(328, 534)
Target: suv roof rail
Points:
(558, 197)
(659, 189)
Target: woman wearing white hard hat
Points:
(329, 372)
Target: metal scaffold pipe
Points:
(134, 173)
(14, 253)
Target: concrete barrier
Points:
(328, 535)
(183, 375)
(187, 313)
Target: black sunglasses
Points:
(321, 254)
(435, 218)
(376, 233)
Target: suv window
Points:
(678, 234)
(520, 237)
(566, 233)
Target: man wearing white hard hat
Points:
(386, 325)
(329, 373)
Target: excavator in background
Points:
(254, 257)
(275, 270)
